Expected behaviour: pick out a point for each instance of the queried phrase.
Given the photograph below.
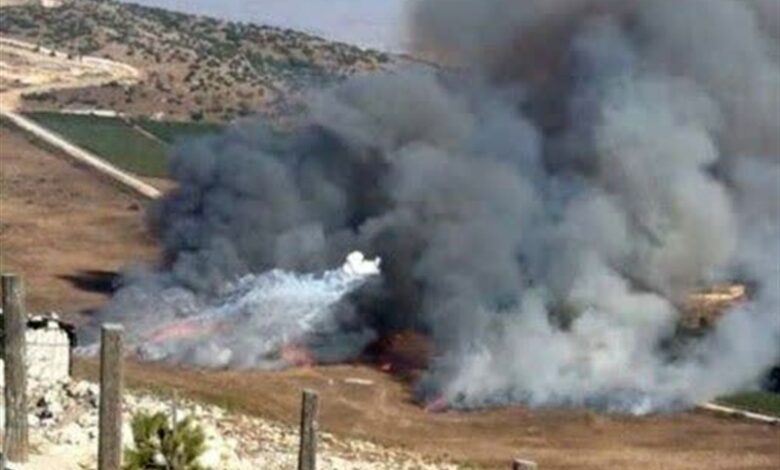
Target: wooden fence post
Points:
(111, 382)
(307, 454)
(16, 439)
(520, 464)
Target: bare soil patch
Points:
(63, 228)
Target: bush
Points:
(160, 445)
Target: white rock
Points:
(210, 458)
(233, 442)
(73, 434)
(127, 435)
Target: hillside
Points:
(194, 67)
(54, 214)
(68, 233)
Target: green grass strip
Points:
(173, 132)
(759, 402)
(111, 139)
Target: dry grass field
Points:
(63, 228)
(66, 232)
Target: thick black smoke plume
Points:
(541, 206)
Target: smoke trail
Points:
(541, 209)
(249, 322)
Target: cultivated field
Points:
(140, 146)
(757, 401)
(110, 138)
(171, 131)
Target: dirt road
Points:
(26, 68)
(64, 228)
(82, 156)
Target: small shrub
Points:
(162, 446)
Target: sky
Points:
(368, 23)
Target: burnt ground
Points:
(67, 232)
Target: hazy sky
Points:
(369, 23)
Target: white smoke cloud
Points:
(251, 321)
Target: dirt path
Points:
(26, 68)
(82, 156)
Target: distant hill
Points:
(195, 67)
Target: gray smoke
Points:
(541, 207)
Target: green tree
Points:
(162, 446)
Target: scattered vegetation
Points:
(158, 444)
(111, 139)
(193, 65)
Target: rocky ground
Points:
(63, 419)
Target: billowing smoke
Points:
(541, 206)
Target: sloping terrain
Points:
(112, 139)
(195, 67)
(67, 231)
(380, 408)
(26, 68)
(64, 229)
